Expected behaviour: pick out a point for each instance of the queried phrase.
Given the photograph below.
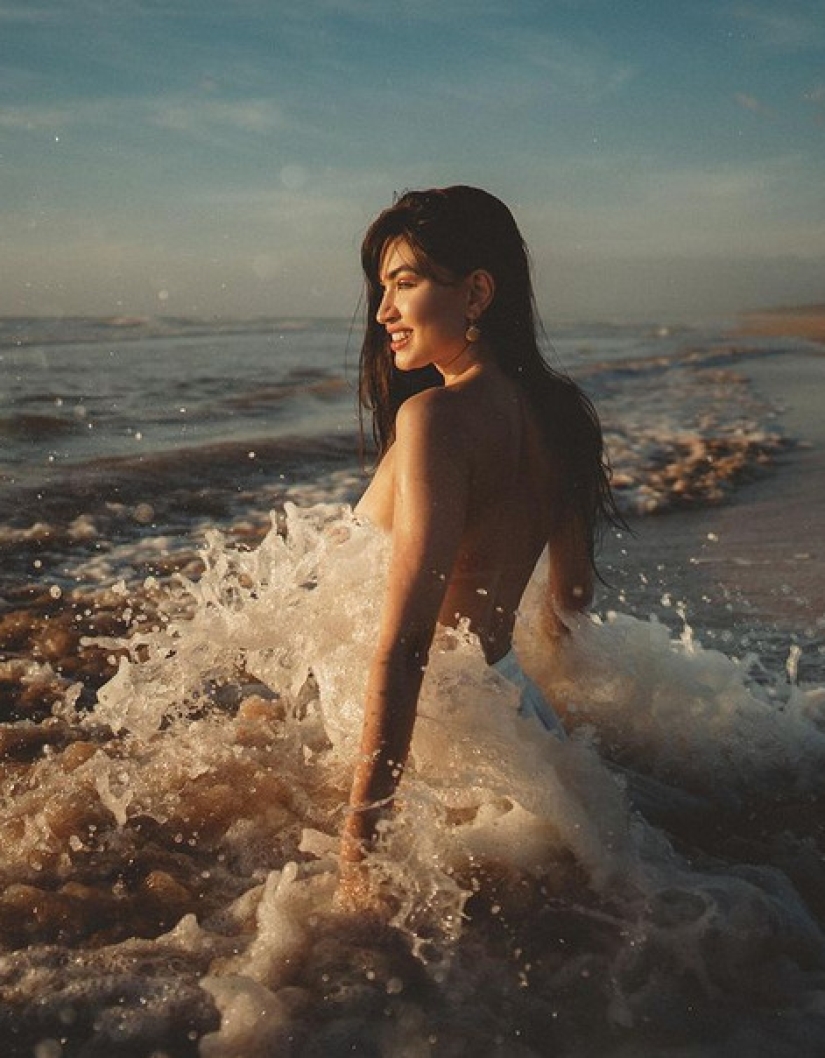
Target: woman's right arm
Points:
(431, 483)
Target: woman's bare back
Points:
(510, 505)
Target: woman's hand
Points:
(359, 890)
(356, 886)
(352, 892)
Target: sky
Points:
(193, 157)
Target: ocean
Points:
(186, 616)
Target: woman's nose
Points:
(386, 308)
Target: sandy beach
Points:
(806, 321)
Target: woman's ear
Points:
(482, 289)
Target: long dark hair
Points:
(452, 232)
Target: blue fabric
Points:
(532, 703)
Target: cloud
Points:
(70, 12)
(636, 207)
(32, 118)
(816, 96)
(779, 28)
(190, 115)
(546, 60)
(756, 106)
(369, 12)
(28, 14)
(198, 116)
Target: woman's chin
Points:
(406, 362)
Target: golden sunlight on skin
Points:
(467, 492)
(426, 321)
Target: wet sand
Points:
(804, 322)
(751, 570)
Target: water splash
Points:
(650, 883)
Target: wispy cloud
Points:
(191, 116)
(639, 208)
(816, 96)
(563, 65)
(197, 117)
(29, 14)
(69, 11)
(63, 12)
(756, 106)
(31, 118)
(779, 28)
(368, 11)
(262, 135)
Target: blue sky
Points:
(193, 157)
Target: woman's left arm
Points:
(431, 489)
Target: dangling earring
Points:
(473, 332)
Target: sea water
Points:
(188, 621)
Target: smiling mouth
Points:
(398, 339)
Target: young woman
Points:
(486, 457)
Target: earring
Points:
(473, 332)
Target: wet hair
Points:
(451, 232)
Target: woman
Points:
(486, 457)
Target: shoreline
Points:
(748, 573)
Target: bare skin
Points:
(470, 496)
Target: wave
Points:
(30, 426)
(297, 385)
(683, 430)
(651, 885)
(27, 331)
(179, 482)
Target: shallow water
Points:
(183, 702)
(546, 900)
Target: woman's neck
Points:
(470, 362)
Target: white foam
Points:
(288, 628)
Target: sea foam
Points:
(605, 893)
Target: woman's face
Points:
(425, 320)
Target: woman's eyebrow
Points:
(397, 271)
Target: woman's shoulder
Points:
(429, 408)
(435, 420)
